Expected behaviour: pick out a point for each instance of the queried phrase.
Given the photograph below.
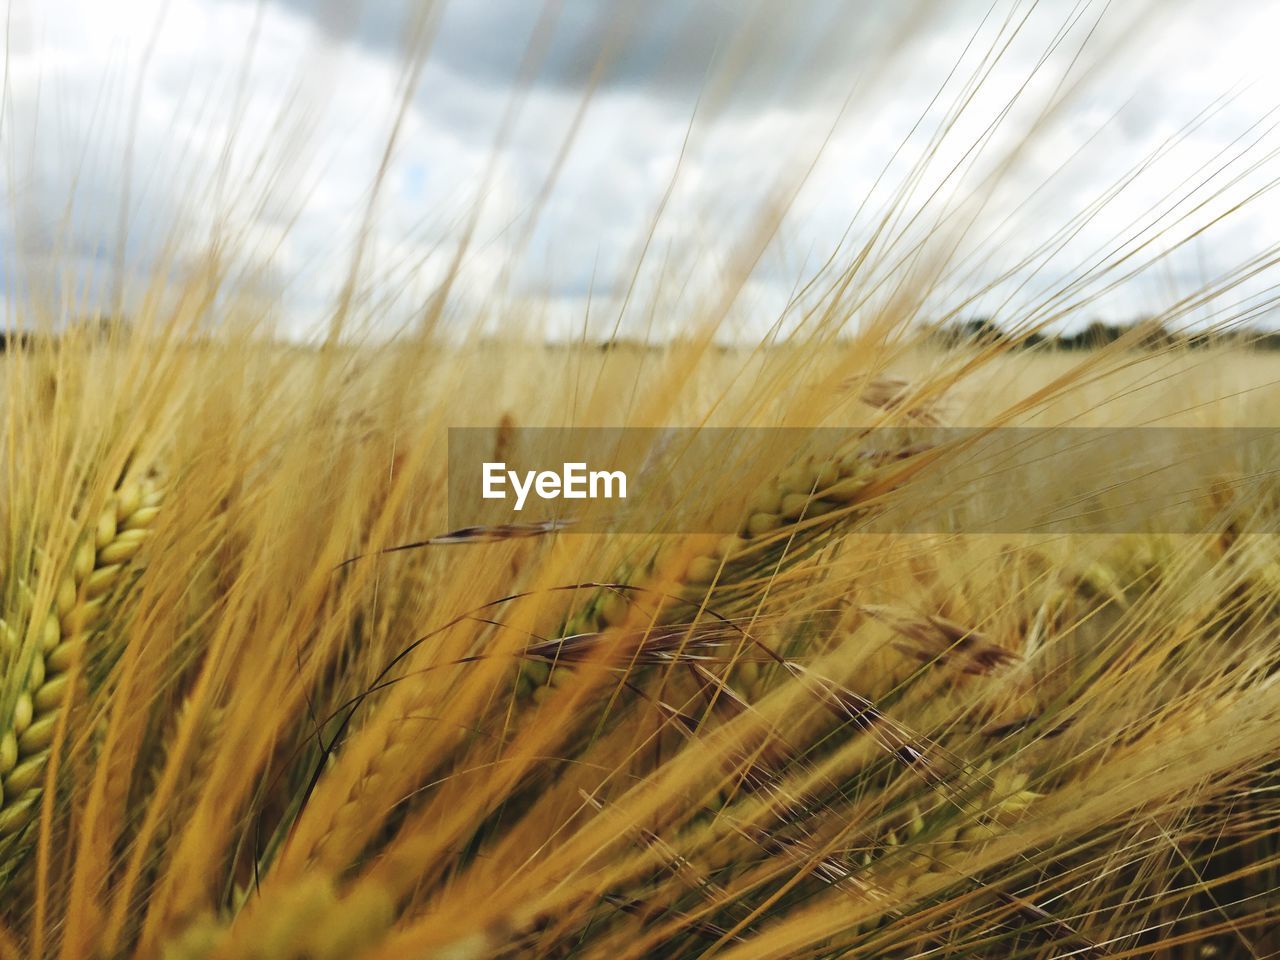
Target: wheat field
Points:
(875, 745)
(264, 697)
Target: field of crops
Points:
(222, 740)
(772, 480)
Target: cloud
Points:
(664, 47)
(265, 124)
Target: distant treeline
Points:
(1141, 335)
(980, 331)
(18, 339)
(14, 340)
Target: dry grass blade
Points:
(495, 533)
(934, 638)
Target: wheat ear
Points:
(28, 732)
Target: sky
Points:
(623, 167)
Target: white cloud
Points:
(269, 120)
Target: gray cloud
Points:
(762, 118)
(667, 48)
